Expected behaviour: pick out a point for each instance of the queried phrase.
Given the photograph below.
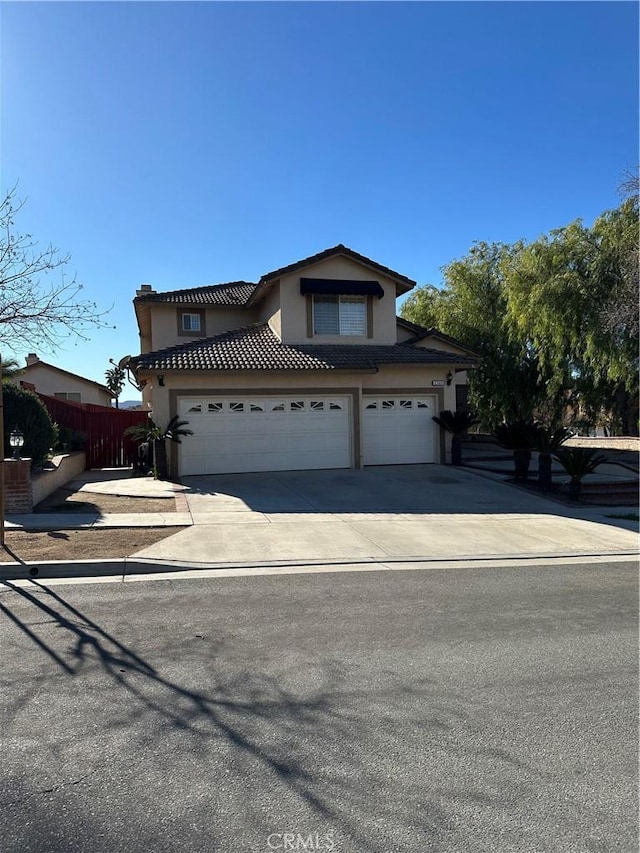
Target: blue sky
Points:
(182, 144)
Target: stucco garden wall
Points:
(64, 468)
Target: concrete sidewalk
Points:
(109, 481)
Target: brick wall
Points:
(18, 494)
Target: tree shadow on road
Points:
(333, 747)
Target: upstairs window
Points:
(340, 315)
(191, 323)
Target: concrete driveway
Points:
(386, 513)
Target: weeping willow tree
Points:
(564, 292)
(474, 306)
(555, 322)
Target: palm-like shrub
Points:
(456, 423)
(546, 440)
(10, 369)
(578, 462)
(153, 435)
(517, 437)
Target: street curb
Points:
(139, 566)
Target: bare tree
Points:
(32, 307)
(630, 183)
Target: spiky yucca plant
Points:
(457, 423)
(517, 437)
(157, 437)
(578, 462)
(546, 440)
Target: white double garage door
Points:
(241, 434)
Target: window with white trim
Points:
(340, 315)
(190, 322)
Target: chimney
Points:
(32, 358)
(144, 290)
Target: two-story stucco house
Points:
(307, 368)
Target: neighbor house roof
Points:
(421, 332)
(256, 347)
(231, 293)
(40, 363)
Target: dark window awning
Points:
(342, 287)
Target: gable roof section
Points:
(64, 372)
(403, 284)
(232, 293)
(246, 293)
(256, 347)
(420, 333)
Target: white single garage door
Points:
(236, 434)
(398, 430)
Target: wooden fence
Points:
(106, 444)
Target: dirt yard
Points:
(88, 543)
(108, 542)
(70, 500)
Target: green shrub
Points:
(578, 462)
(23, 409)
(457, 423)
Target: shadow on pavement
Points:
(277, 727)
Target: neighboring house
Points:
(56, 382)
(308, 368)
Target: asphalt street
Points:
(477, 709)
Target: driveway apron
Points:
(383, 513)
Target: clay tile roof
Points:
(256, 347)
(231, 293)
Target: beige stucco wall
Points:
(51, 382)
(416, 377)
(269, 310)
(164, 323)
(284, 308)
(294, 305)
(403, 334)
(64, 467)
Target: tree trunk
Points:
(544, 471)
(160, 458)
(456, 450)
(574, 488)
(521, 459)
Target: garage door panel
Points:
(265, 434)
(398, 430)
